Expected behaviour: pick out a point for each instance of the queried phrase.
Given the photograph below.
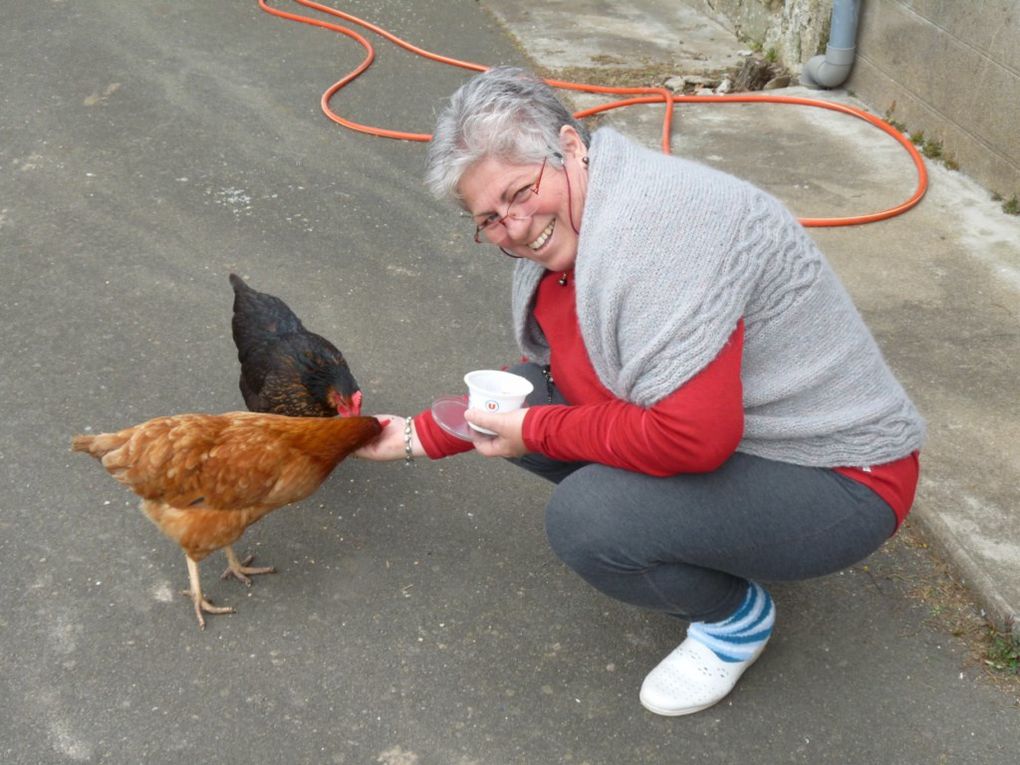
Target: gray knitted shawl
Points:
(671, 255)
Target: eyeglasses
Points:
(522, 206)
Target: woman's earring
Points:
(584, 159)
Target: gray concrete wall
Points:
(948, 68)
(951, 69)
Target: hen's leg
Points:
(201, 604)
(240, 569)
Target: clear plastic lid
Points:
(448, 412)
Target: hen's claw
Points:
(240, 569)
(201, 604)
(195, 593)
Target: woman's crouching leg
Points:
(687, 544)
(615, 552)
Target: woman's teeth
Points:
(544, 236)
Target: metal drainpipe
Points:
(832, 69)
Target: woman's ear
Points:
(571, 144)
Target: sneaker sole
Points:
(677, 712)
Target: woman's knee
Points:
(580, 529)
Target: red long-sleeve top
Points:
(693, 430)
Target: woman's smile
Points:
(543, 237)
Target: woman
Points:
(708, 401)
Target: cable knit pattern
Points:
(671, 254)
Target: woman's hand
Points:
(390, 443)
(509, 428)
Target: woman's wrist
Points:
(408, 440)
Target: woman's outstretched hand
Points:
(509, 429)
(390, 443)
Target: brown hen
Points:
(204, 479)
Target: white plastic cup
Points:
(491, 390)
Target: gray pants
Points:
(686, 545)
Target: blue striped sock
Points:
(737, 637)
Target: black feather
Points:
(285, 369)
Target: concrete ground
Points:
(418, 617)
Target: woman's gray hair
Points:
(506, 113)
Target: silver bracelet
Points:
(408, 454)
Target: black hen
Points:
(285, 369)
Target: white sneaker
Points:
(690, 679)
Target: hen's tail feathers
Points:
(259, 317)
(82, 443)
(238, 283)
(99, 444)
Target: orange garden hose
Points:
(642, 96)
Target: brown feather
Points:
(205, 478)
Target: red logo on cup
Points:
(492, 406)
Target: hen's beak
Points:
(349, 407)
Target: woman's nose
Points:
(516, 226)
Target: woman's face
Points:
(539, 225)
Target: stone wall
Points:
(795, 29)
(947, 68)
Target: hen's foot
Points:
(195, 593)
(239, 570)
(201, 604)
